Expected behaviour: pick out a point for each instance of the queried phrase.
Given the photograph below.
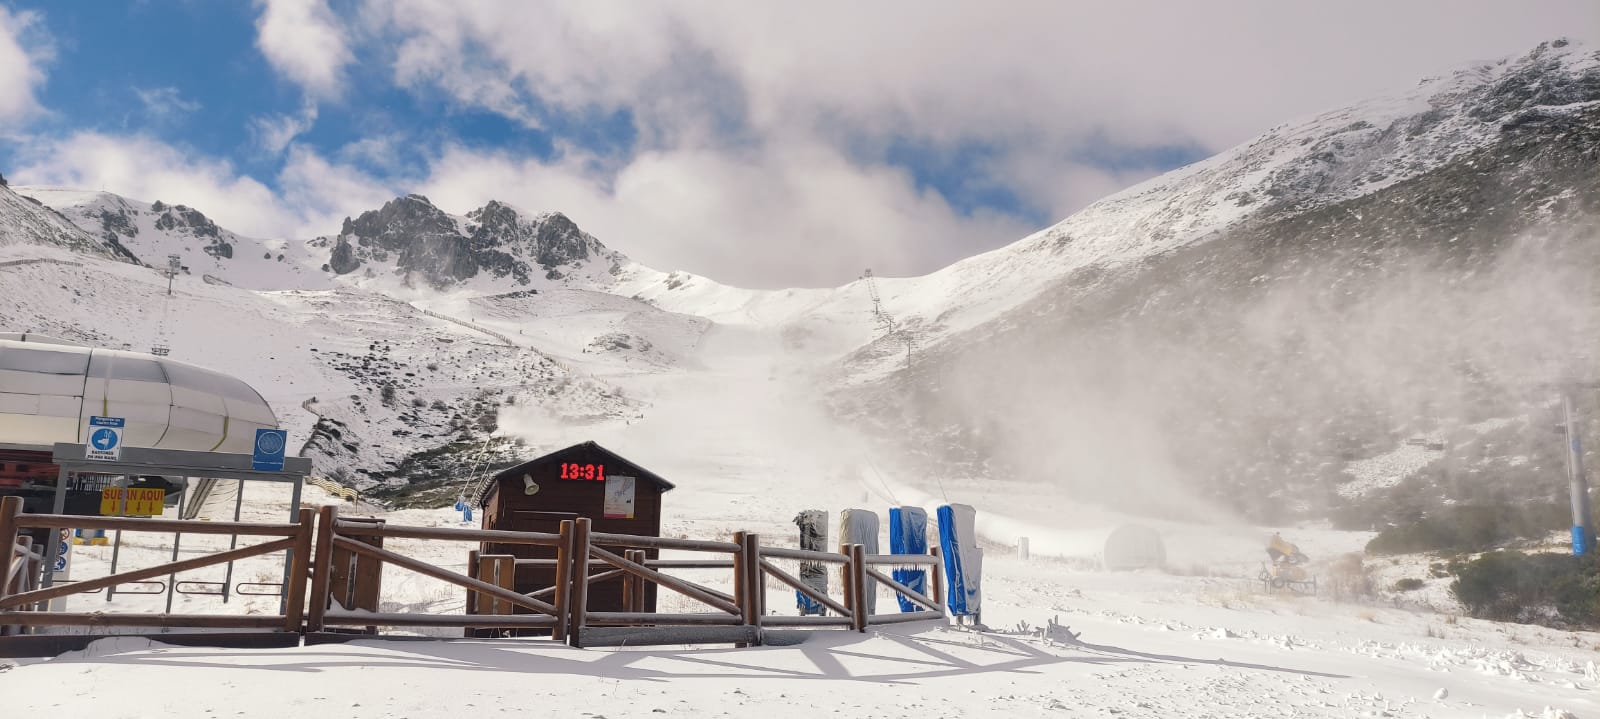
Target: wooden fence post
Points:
(472, 595)
(937, 575)
(10, 507)
(741, 578)
(580, 580)
(299, 567)
(754, 590)
(858, 587)
(563, 598)
(321, 566)
(633, 586)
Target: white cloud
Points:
(149, 170)
(304, 41)
(802, 85)
(24, 49)
(165, 103)
(273, 133)
(797, 215)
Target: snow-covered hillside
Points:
(153, 231)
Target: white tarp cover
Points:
(48, 392)
(860, 526)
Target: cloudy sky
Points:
(760, 143)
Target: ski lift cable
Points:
(890, 492)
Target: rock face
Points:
(418, 240)
(1269, 364)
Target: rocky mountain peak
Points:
(497, 240)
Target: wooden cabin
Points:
(584, 480)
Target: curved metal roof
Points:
(49, 390)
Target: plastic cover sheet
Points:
(813, 524)
(963, 561)
(908, 534)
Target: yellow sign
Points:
(141, 502)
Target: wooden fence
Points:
(335, 581)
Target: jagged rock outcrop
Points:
(416, 239)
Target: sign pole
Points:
(1583, 538)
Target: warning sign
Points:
(105, 439)
(619, 498)
(141, 502)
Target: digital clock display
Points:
(583, 472)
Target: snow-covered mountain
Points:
(150, 232)
(24, 221)
(1205, 311)
(1251, 327)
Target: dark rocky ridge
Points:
(422, 240)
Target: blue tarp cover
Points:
(963, 561)
(908, 534)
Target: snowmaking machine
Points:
(1287, 569)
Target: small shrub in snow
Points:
(1409, 584)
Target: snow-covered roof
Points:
(48, 392)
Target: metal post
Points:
(288, 555)
(1583, 539)
(116, 550)
(172, 579)
(49, 549)
(233, 541)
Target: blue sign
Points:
(105, 439)
(270, 444)
(1580, 543)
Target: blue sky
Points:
(760, 145)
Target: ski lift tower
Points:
(174, 266)
(160, 347)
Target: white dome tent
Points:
(49, 389)
(1135, 546)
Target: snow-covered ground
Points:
(729, 429)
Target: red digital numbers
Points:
(583, 472)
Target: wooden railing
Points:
(15, 605)
(335, 580)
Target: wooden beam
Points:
(804, 555)
(750, 558)
(322, 568)
(563, 581)
(467, 622)
(494, 536)
(905, 591)
(804, 588)
(580, 580)
(634, 541)
(132, 524)
(106, 619)
(299, 565)
(472, 597)
(445, 575)
(937, 575)
(655, 619)
(10, 509)
(690, 589)
(89, 585)
(858, 581)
